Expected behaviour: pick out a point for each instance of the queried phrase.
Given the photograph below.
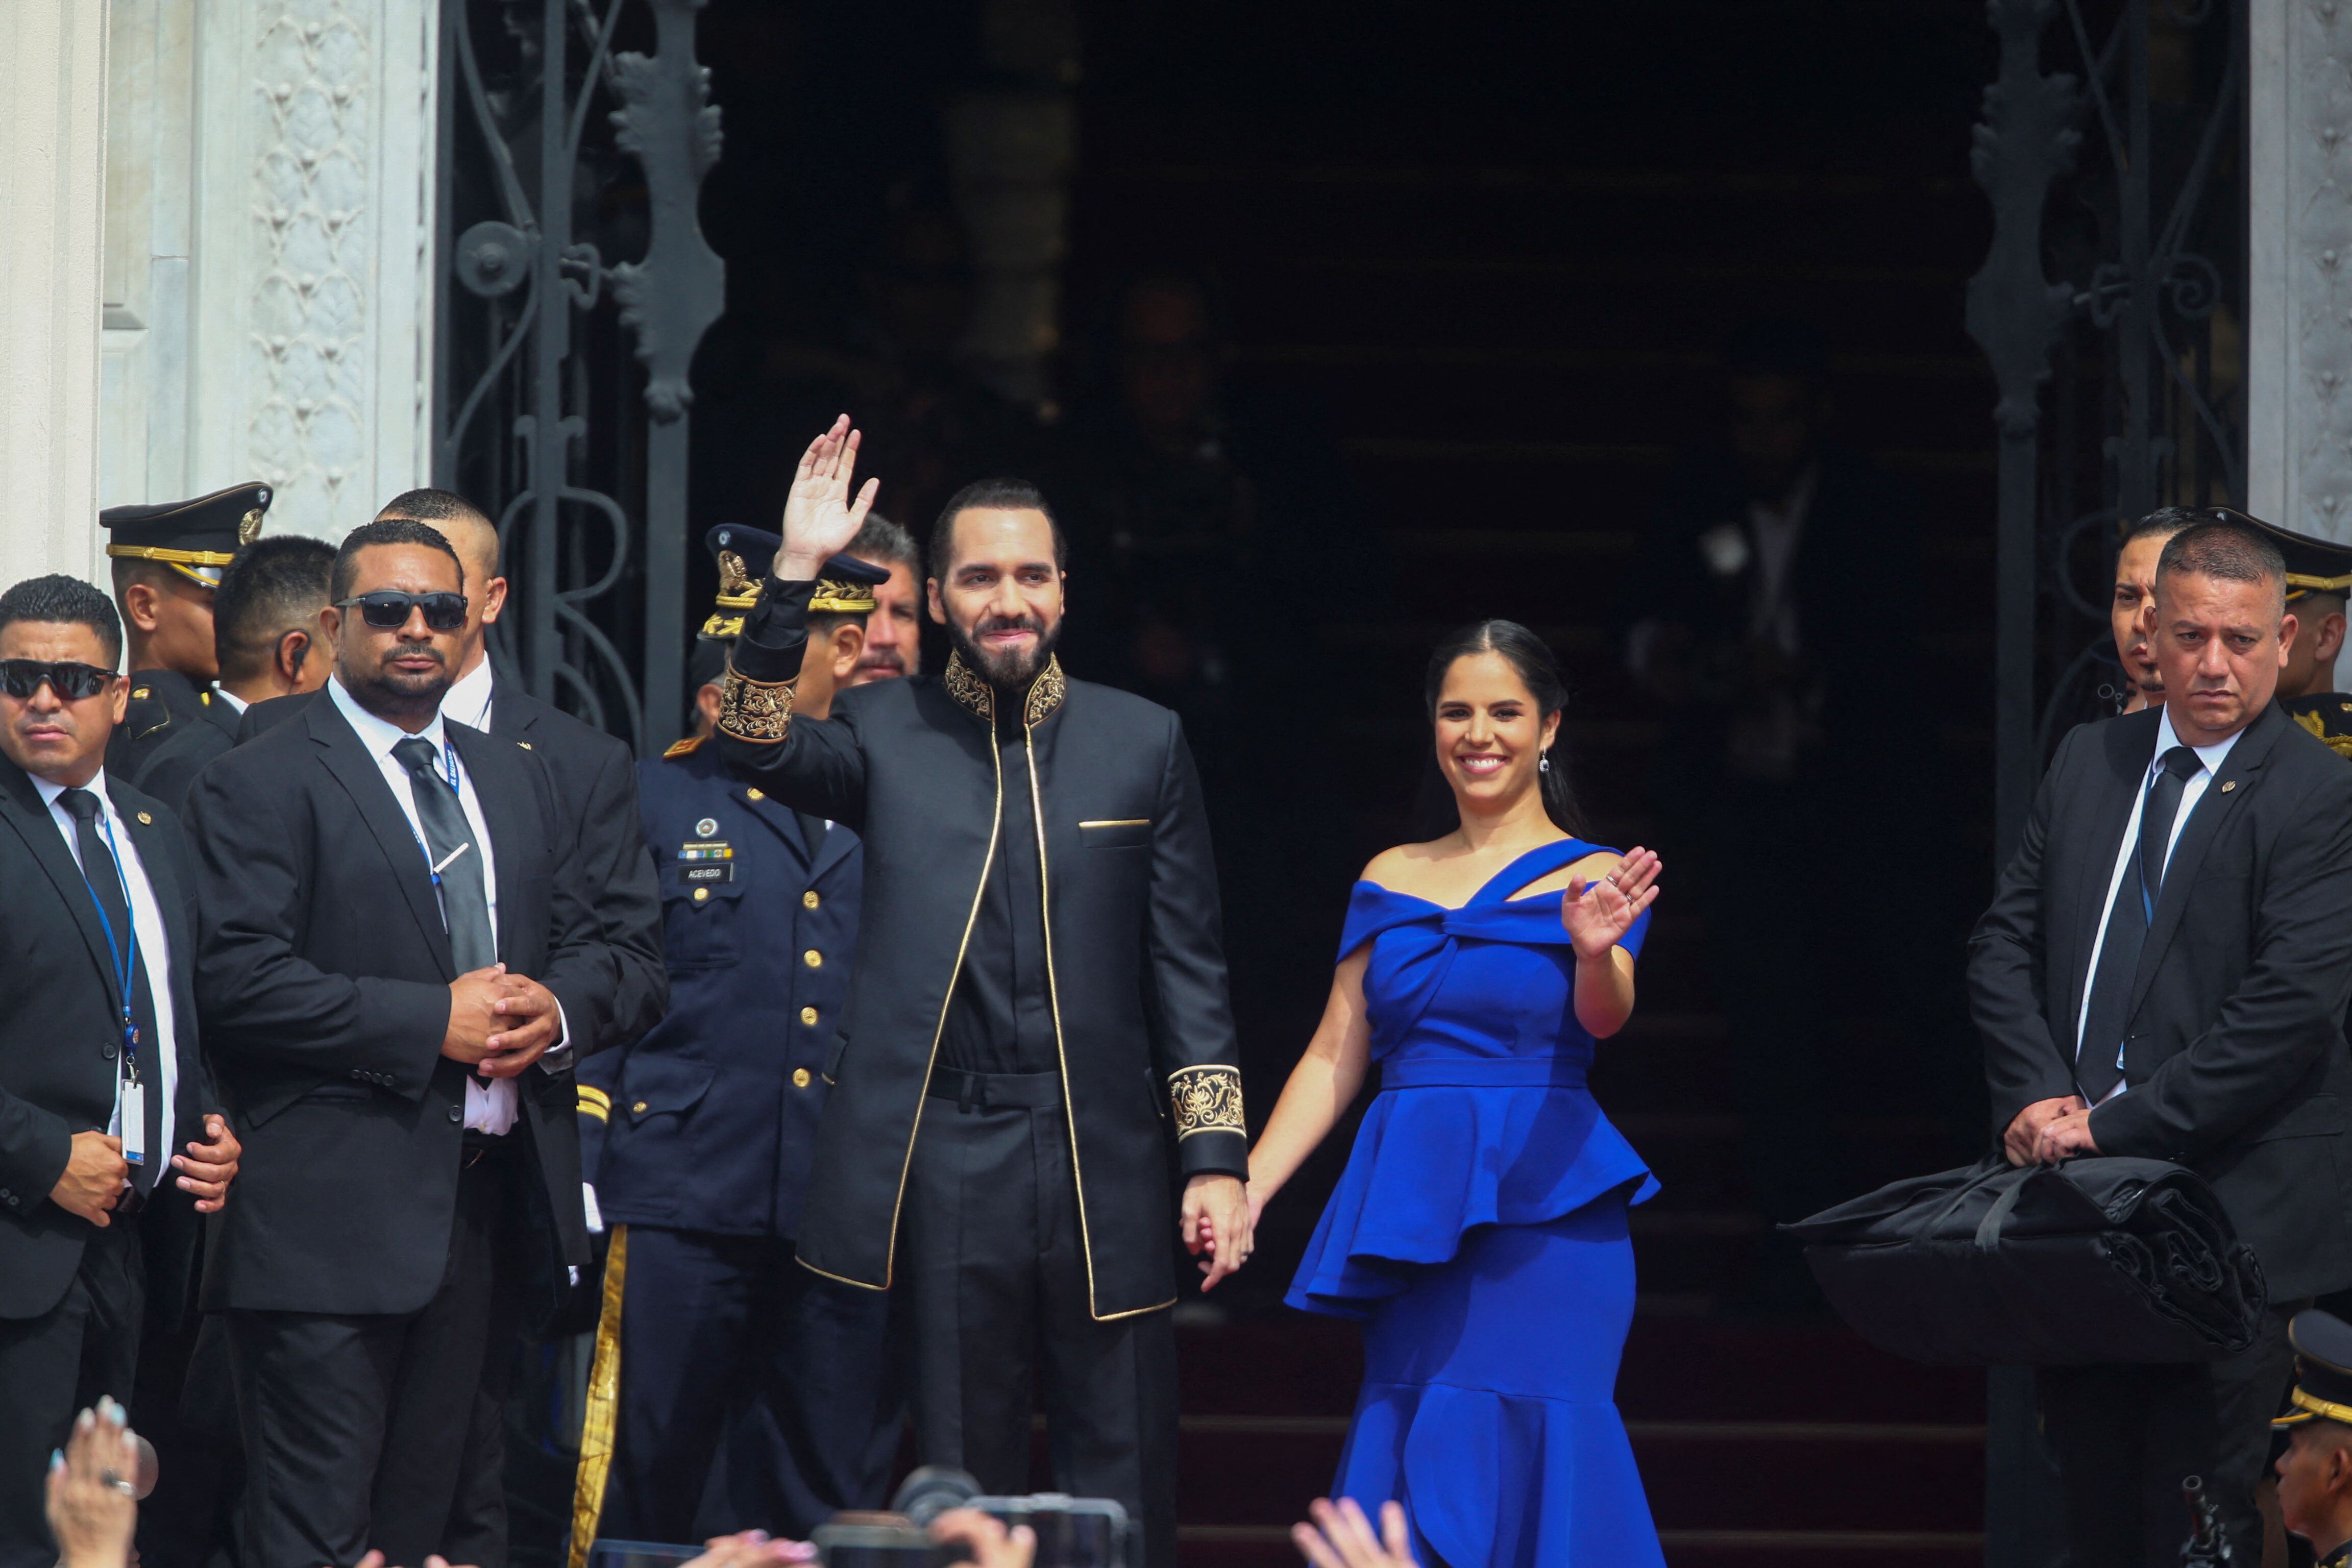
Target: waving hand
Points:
(820, 518)
(1599, 914)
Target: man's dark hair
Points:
(385, 530)
(431, 506)
(2227, 550)
(61, 600)
(274, 586)
(884, 543)
(992, 495)
(2164, 523)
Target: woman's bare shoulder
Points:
(1405, 867)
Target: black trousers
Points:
(387, 1432)
(56, 1365)
(996, 1312)
(2126, 1436)
(754, 1394)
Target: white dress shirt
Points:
(154, 956)
(491, 1105)
(2192, 789)
(467, 701)
(223, 694)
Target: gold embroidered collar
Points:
(1046, 693)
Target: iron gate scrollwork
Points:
(566, 420)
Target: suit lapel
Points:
(363, 781)
(781, 818)
(2240, 772)
(503, 819)
(21, 808)
(838, 842)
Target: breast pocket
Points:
(1116, 833)
(699, 918)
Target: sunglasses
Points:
(20, 678)
(387, 609)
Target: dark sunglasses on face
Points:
(20, 678)
(387, 609)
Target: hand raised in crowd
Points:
(1598, 914)
(1217, 1225)
(984, 1536)
(93, 1498)
(820, 518)
(93, 1179)
(1342, 1537)
(208, 1167)
(531, 1022)
(2064, 1137)
(2023, 1140)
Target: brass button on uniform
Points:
(639, 1107)
(755, 794)
(808, 1017)
(701, 894)
(800, 1078)
(809, 900)
(813, 959)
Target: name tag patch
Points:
(724, 871)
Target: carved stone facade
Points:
(2299, 338)
(269, 298)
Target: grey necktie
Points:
(456, 859)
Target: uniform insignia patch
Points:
(717, 850)
(705, 827)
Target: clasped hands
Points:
(97, 1175)
(1219, 1224)
(2048, 1131)
(500, 1023)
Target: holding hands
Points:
(820, 518)
(1599, 914)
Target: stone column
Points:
(270, 295)
(2299, 318)
(52, 151)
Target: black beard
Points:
(1009, 673)
(395, 698)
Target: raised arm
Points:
(1606, 899)
(814, 765)
(1322, 1086)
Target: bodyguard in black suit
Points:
(1039, 1010)
(593, 773)
(397, 953)
(2164, 973)
(93, 1069)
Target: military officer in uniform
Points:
(2319, 576)
(2315, 1474)
(167, 562)
(750, 1392)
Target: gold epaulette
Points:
(685, 748)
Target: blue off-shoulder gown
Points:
(1479, 1233)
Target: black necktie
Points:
(105, 879)
(2096, 1064)
(456, 858)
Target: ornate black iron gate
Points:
(2111, 308)
(543, 418)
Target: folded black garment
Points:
(2099, 1260)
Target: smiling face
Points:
(1000, 593)
(399, 675)
(1490, 733)
(2132, 614)
(48, 737)
(2220, 645)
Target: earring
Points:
(1543, 764)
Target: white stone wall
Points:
(2299, 326)
(52, 154)
(269, 298)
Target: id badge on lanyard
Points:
(131, 1088)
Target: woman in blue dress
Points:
(1479, 1231)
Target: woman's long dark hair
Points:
(1434, 812)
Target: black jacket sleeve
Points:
(627, 897)
(2284, 1012)
(2008, 960)
(814, 765)
(1191, 1019)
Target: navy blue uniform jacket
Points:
(713, 1112)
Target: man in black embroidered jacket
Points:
(1040, 1004)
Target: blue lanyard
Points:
(125, 964)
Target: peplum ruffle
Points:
(1436, 1160)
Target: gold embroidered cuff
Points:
(1206, 1099)
(755, 710)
